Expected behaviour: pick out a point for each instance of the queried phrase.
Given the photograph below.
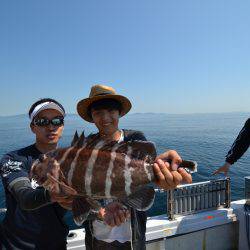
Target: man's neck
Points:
(45, 148)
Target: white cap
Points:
(45, 105)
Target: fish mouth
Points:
(31, 173)
(39, 179)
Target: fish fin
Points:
(52, 178)
(62, 186)
(75, 139)
(95, 205)
(81, 140)
(108, 146)
(80, 209)
(142, 150)
(142, 199)
(53, 183)
(67, 189)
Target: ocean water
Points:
(205, 138)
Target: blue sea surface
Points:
(205, 138)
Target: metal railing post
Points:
(228, 193)
(171, 204)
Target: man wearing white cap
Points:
(33, 219)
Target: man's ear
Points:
(32, 128)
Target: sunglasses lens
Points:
(57, 121)
(41, 122)
(45, 122)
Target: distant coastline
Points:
(145, 113)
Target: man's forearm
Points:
(29, 198)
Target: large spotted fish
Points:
(92, 169)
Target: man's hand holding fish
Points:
(169, 175)
(116, 214)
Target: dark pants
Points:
(7, 244)
(115, 245)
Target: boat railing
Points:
(197, 197)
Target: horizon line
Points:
(165, 113)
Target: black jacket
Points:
(240, 145)
(138, 218)
(31, 221)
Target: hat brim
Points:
(83, 105)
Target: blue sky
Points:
(166, 56)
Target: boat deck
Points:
(220, 229)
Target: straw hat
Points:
(97, 93)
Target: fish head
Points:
(45, 165)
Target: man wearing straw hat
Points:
(119, 228)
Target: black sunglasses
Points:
(42, 122)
